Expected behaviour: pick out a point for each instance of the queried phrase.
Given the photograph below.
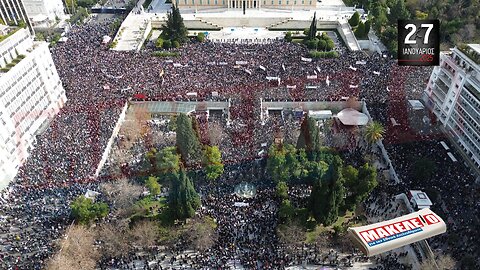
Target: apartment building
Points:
(30, 95)
(453, 94)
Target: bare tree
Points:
(77, 250)
(291, 235)
(123, 194)
(145, 233)
(445, 261)
(215, 134)
(115, 237)
(201, 233)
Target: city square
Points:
(244, 147)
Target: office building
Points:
(30, 95)
(453, 94)
(12, 12)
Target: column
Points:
(12, 11)
(6, 13)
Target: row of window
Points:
(254, 3)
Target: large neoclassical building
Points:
(247, 4)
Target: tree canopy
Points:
(187, 140)
(328, 194)
(174, 29)
(355, 19)
(183, 200)
(84, 210)
(309, 137)
(153, 186)
(374, 132)
(168, 161)
(213, 162)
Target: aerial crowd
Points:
(34, 209)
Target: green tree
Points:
(374, 132)
(183, 200)
(153, 186)
(167, 44)
(399, 11)
(168, 161)
(312, 33)
(288, 36)
(84, 211)
(201, 37)
(328, 194)
(379, 13)
(355, 19)
(359, 183)
(367, 26)
(286, 211)
(309, 137)
(212, 161)
(187, 142)
(159, 43)
(174, 29)
(311, 43)
(276, 163)
(360, 30)
(322, 45)
(282, 190)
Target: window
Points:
(279, 2)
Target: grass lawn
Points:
(149, 207)
(312, 235)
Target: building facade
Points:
(44, 13)
(30, 95)
(247, 4)
(453, 95)
(12, 12)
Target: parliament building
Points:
(246, 4)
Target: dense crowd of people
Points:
(35, 207)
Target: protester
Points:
(35, 207)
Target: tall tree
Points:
(360, 31)
(312, 33)
(187, 142)
(328, 194)
(355, 19)
(399, 11)
(183, 199)
(213, 162)
(309, 137)
(174, 29)
(359, 183)
(276, 163)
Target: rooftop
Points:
(472, 51)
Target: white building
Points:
(44, 13)
(30, 95)
(12, 12)
(453, 94)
